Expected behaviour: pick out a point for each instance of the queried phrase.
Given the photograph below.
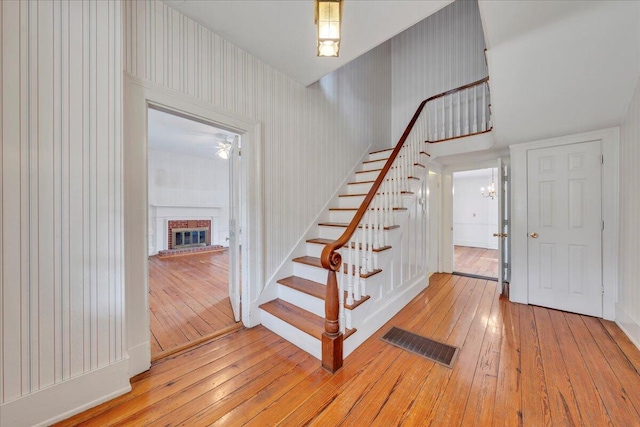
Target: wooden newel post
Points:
(332, 338)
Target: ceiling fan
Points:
(224, 146)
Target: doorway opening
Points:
(475, 223)
(194, 256)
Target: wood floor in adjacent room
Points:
(478, 261)
(188, 300)
(518, 365)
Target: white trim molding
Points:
(139, 95)
(518, 291)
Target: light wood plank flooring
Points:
(188, 300)
(518, 365)
(479, 261)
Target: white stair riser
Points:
(333, 233)
(292, 334)
(378, 164)
(381, 155)
(359, 188)
(310, 272)
(350, 202)
(317, 274)
(302, 300)
(341, 216)
(314, 249)
(367, 176)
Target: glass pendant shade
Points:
(328, 20)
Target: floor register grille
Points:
(435, 351)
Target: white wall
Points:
(443, 52)
(628, 303)
(312, 136)
(475, 218)
(181, 180)
(61, 320)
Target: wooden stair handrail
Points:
(332, 260)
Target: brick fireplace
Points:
(187, 224)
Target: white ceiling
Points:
(283, 34)
(560, 67)
(174, 134)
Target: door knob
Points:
(534, 235)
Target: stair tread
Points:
(370, 170)
(321, 241)
(345, 225)
(381, 151)
(315, 289)
(300, 318)
(315, 262)
(355, 209)
(364, 194)
(369, 182)
(378, 160)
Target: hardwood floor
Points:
(188, 300)
(518, 365)
(479, 261)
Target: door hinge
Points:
(602, 159)
(505, 223)
(506, 265)
(602, 225)
(602, 289)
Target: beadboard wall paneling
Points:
(312, 135)
(61, 200)
(629, 246)
(442, 52)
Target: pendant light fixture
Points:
(329, 21)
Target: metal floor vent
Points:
(433, 350)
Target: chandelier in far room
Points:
(490, 190)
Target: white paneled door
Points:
(234, 229)
(564, 226)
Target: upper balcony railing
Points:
(456, 113)
(459, 112)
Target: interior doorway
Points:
(476, 210)
(193, 189)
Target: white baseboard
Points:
(139, 358)
(62, 400)
(630, 327)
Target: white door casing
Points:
(565, 220)
(139, 94)
(500, 229)
(234, 237)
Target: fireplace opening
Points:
(189, 237)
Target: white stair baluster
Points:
(370, 240)
(349, 275)
(442, 135)
(466, 121)
(458, 117)
(376, 222)
(450, 115)
(341, 315)
(356, 272)
(484, 107)
(363, 249)
(475, 110)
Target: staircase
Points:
(298, 313)
(367, 256)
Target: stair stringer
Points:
(270, 290)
